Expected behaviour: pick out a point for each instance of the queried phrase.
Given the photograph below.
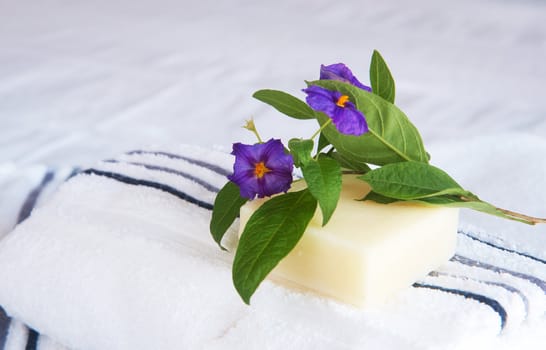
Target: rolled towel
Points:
(120, 257)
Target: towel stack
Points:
(120, 257)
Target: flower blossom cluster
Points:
(265, 169)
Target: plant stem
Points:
(257, 136)
(528, 219)
(321, 128)
(252, 127)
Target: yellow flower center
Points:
(342, 100)
(260, 170)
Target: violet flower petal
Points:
(262, 169)
(347, 119)
(350, 121)
(340, 72)
(321, 99)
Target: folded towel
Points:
(120, 257)
(22, 190)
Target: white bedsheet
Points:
(81, 81)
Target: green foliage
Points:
(478, 205)
(322, 142)
(376, 197)
(412, 180)
(323, 178)
(285, 103)
(226, 208)
(428, 185)
(392, 143)
(269, 235)
(301, 151)
(381, 78)
(360, 167)
(391, 137)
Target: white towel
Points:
(121, 258)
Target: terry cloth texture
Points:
(120, 257)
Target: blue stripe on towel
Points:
(170, 171)
(501, 248)
(4, 327)
(505, 286)
(513, 290)
(204, 164)
(495, 305)
(32, 197)
(475, 263)
(75, 171)
(159, 186)
(32, 339)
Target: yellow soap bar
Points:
(368, 251)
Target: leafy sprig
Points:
(344, 143)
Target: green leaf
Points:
(322, 142)
(381, 78)
(455, 201)
(323, 178)
(269, 235)
(372, 196)
(391, 137)
(459, 199)
(346, 163)
(478, 205)
(285, 103)
(412, 180)
(301, 151)
(225, 211)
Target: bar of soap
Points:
(368, 251)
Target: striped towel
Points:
(120, 257)
(21, 191)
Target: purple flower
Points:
(347, 119)
(341, 72)
(263, 169)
